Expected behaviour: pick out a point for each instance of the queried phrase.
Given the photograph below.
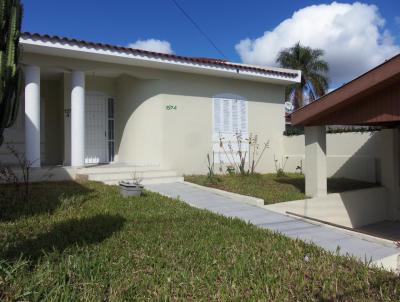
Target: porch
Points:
(77, 118)
(371, 99)
(71, 126)
(63, 123)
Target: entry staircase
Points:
(112, 174)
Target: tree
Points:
(10, 71)
(314, 79)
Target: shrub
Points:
(246, 156)
(211, 177)
(280, 166)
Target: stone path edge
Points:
(243, 198)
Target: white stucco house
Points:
(88, 104)
(102, 112)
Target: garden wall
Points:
(353, 155)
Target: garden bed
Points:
(83, 241)
(273, 189)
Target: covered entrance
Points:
(371, 99)
(80, 123)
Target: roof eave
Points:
(349, 93)
(94, 53)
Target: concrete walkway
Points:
(326, 237)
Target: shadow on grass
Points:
(298, 183)
(44, 198)
(81, 232)
(335, 185)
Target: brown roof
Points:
(371, 99)
(207, 61)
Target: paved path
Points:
(326, 237)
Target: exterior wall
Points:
(148, 133)
(139, 122)
(51, 137)
(101, 84)
(352, 155)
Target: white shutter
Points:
(229, 118)
(217, 116)
(243, 116)
(226, 116)
(235, 116)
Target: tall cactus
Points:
(10, 71)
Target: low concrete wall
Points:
(352, 155)
(350, 209)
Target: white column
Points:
(315, 161)
(77, 119)
(390, 170)
(32, 115)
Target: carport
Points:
(373, 99)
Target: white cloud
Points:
(353, 36)
(153, 45)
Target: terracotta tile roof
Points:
(198, 60)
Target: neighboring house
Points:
(87, 103)
(373, 99)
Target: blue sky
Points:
(227, 22)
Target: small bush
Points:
(244, 157)
(280, 166)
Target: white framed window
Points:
(230, 117)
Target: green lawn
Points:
(273, 189)
(82, 241)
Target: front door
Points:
(96, 143)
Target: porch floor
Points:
(389, 230)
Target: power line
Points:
(198, 28)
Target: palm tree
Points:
(314, 79)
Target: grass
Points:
(82, 241)
(273, 189)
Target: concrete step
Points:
(149, 180)
(114, 173)
(128, 176)
(115, 169)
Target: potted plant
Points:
(131, 188)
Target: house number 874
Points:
(171, 107)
